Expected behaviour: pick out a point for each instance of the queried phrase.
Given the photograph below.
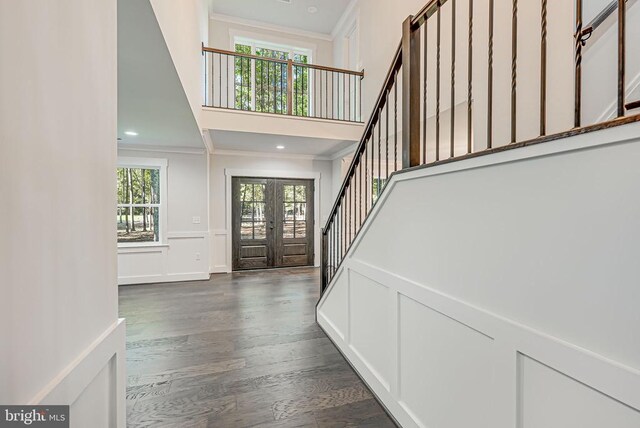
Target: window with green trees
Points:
(138, 204)
(261, 85)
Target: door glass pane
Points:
(246, 192)
(287, 229)
(247, 211)
(301, 211)
(289, 211)
(258, 211)
(246, 230)
(289, 193)
(258, 194)
(301, 229)
(301, 193)
(260, 230)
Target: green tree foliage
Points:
(270, 84)
(138, 199)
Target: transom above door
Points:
(273, 222)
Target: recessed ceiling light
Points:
(131, 133)
(280, 147)
(312, 9)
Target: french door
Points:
(273, 222)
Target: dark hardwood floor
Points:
(239, 350)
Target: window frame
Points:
(148, 163)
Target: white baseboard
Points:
(171, 277)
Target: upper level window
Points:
(262, 85)
(140, 198)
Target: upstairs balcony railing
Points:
(461, 85)
(241, 81)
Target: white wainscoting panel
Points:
(185, 257)
(473, 298)
(436, 350)
(94, 384)
(551, 399)
(219, 247)
(335, 309)
(369, 325)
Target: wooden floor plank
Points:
(240, 350)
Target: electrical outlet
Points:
(197, 257)
(196, 220)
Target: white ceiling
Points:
(151, 99)
(293, 15)
(266, 143)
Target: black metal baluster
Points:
(543, 68)
(386, 130)
(514, 69)
(373, 165)
(239, 106)
(424, 95)
(360, 98)
(359, 155)
(379, 151)
(210, 58)
(326, 94)
(320, 95)
(490, 78)
(453, 80)
(395, 121)
(470, 79)
(366, 178)
(578, 64)
(622, 25)
(439, 38)
(348, 92)
(227, 76)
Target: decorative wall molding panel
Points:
(501, 291)
(185, 257)
(94, 384)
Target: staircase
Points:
(478, 265)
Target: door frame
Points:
(229, 173)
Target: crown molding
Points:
(161, 149)
(271, 27)
(223, 152)
(345, 18)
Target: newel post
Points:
(410, 95)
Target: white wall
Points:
(501, 290)
(220, 36)
(259, 165)
(600, 67)
(185, 29)
(185, 254)
(61, 339)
